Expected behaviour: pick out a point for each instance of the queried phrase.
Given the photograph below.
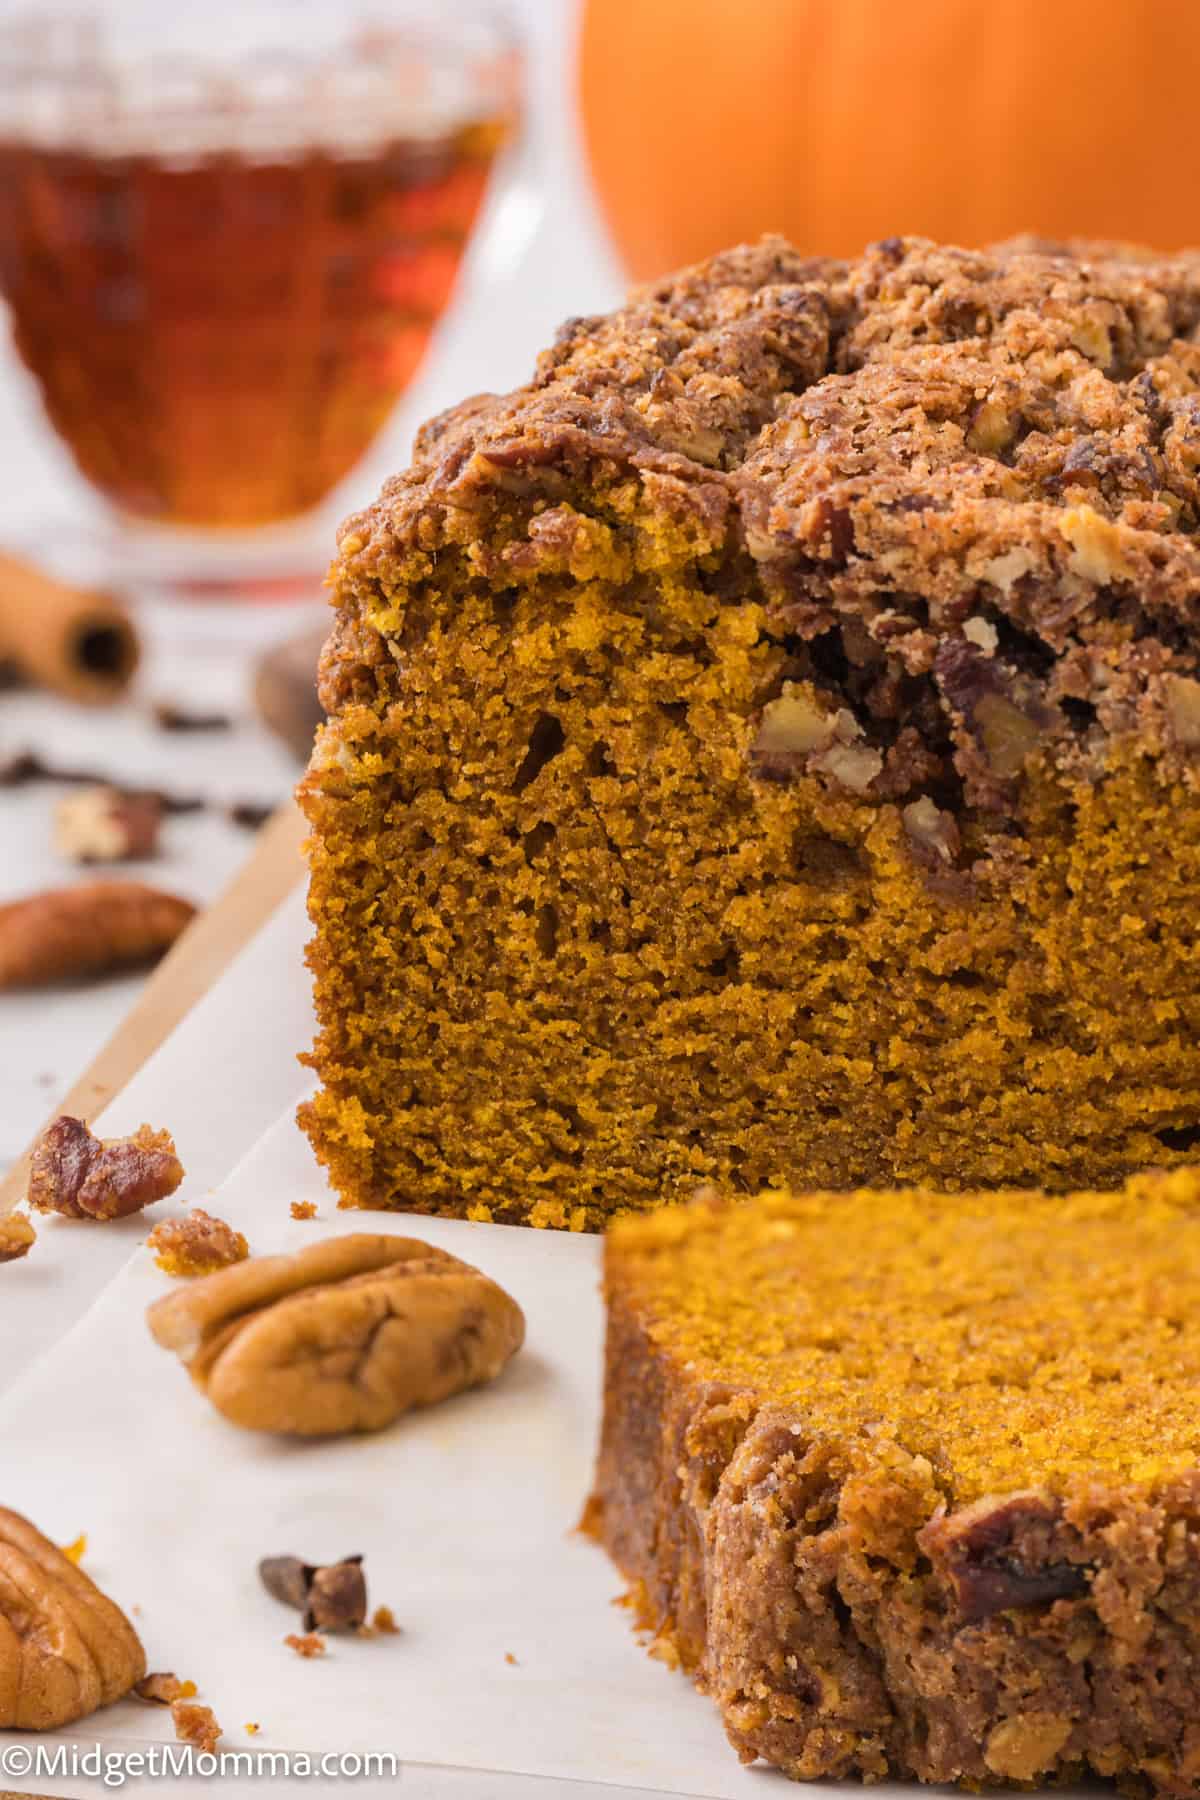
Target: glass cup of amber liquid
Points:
(227, 233)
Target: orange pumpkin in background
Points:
(840, 121)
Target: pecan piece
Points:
(94, 929)
(794, 724)
(106, 824)
(1183, 710)
(65, 1649)
(1000, 1556)
(81, 1176)
(345, 1335)
(1024, 1747)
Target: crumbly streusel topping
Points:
(961, 480)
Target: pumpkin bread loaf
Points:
(765, 748)
(911, 1484)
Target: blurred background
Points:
(245, 251)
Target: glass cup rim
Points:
(36, 37)
(64, 78)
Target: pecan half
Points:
(64, 1648)
(75, 1173)
(94, 929)
(345, 1335)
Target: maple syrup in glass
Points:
(222, 277)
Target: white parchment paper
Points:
(465, 1514)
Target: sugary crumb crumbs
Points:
(196, 1244)
(304, 1209)
(162, 1688)
(310, 1644)
(196, 1725)
(76, 1552)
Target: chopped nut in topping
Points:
(311, 1644)
(1008, 735)
(85, 1177)
(1093, 338)
(982, 633)
(196, 1725)
(1183, 710)
(304, 1209)
(162, 1687)
(105, 824)
(854, 766)
(331, 1596)
(1023, 1747)
(294, 1343)
(793, 725)
(17, 1236)
(991, 430)
(383, 1619)
(932, 828)
(196, 1244)
(1005, 570)
(1097, 545)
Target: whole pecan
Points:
(94, 929)
(64, 1648)
(345, 1335)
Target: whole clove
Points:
(21, 768)
(329, 1596)
(169, 717)
(250, 814)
